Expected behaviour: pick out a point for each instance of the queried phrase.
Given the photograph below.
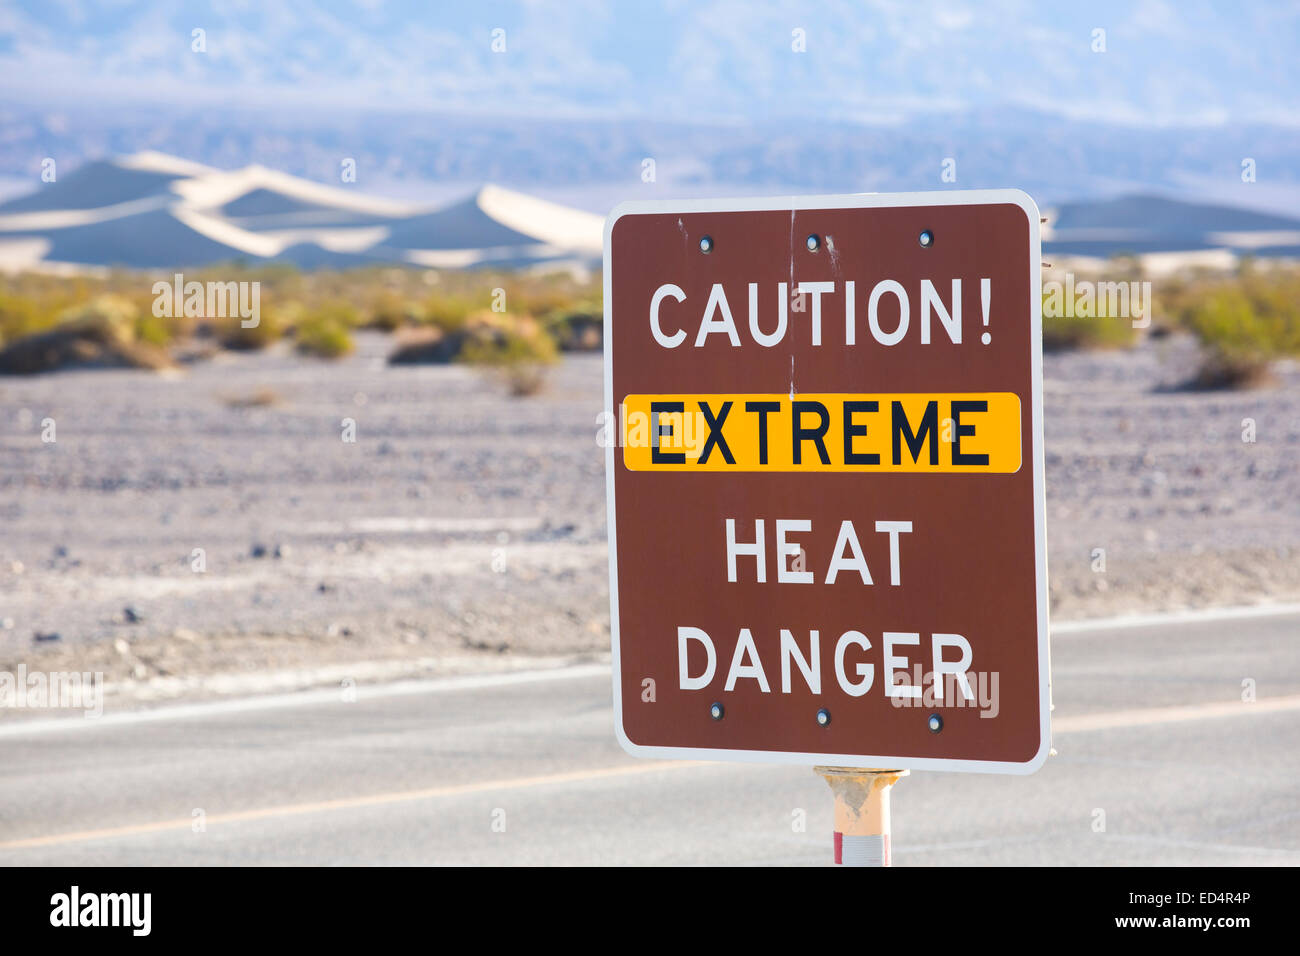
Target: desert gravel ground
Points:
(465, 529)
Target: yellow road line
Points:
(350, 803)
(1115, 719)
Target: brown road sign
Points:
(824, 436)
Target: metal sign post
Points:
(861, 814)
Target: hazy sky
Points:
(707, 60)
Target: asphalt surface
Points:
(1159, 761)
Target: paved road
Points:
(1149, 724)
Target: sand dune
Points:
(151, 211)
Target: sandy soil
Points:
(465, 529)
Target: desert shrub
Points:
(100, 333)
(538, 298)
(448, 313)
(230, 333)
(324, 331)
(1244, 324)
(338, 311)
(32, 302)
(154, 330)
(577, 328)
(1171, 298)
(116, 315)
(403, 299)
(1061, 332)
(21, 315)
(512, 349)
(389, 311)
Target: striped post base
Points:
(861, 814)
(862, 850)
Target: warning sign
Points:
(825, 480)
(903, 432)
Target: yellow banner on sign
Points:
(975, 432)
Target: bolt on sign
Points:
(824, 459)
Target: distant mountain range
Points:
(586, 103)
(1141, 225)
(154, 211)
(150, 211)
(594, 163)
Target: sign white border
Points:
(856, 201)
